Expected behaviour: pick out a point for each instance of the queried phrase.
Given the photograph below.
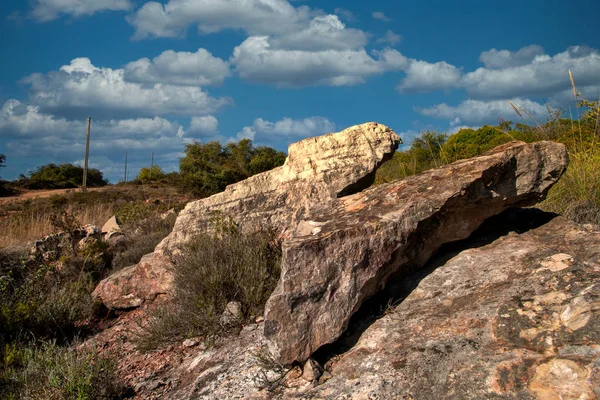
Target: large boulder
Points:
(131, 286)
(316, 172)
(514, 317)
(345, 251)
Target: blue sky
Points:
(154, 76)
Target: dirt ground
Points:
(32, 194)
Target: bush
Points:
(63, 176)
(210, 272)
(52, 372)
(208, 168)
(153, 173)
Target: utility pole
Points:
(151, 165)
(125, 175)
(87, 153)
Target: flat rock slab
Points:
(496, 321)
(347, 250)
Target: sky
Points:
(154, 76)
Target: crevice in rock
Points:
(402, 283)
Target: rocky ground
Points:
(512, 312)
(432, 287)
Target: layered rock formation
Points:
(317, 171)
(511, 313)
(347, 249)
(517, 318)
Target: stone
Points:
(112, 225)
(85, 243)
(453, 330)
(190, 343)
(311, 372)
(316, 171)
(233, 314)
(345, 252)
(457, 326)
(91, 230)
(131, 286)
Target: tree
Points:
(207, 168)
(63, 176)
(151, 173)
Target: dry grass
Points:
(211, 272)
(26, 220)
(34, 223)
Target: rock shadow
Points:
(402, 283)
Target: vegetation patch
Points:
(212, 271)
(577, 193)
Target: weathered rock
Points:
(133, 285)
(347, 250)
(316, 171)
(482, 320)
(311, 372)
(232, 314)
(112, 225)
(91, 230)
(486, 323)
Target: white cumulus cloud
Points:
(47, 10)
(390, 37)
(258, 61)
(380, 16)
(478, 112)
(422, 76)
(286, 130)
(82, 88)
(179, 68)
(543, 75)
(206, 125)
(258, 17)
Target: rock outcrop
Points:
(517, 318)
(347, 249)
(317, 171)
(512, 312)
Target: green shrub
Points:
(133, 212)
(51, 372)
(153, 173)
(210, 272)
(63, 176)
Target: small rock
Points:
(190, 343)
(260, 319)
(112, 225)
(86, 242)
(312, 370)
(249, 328)
(232, 314)
(91, 230)
(168, 214)
(325, 377)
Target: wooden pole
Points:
(125, 176)
(87, 153)
(151, 165)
